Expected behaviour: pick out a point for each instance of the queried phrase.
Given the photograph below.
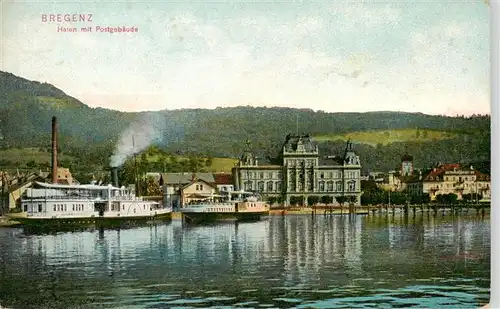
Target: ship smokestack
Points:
(54, 149)
(114, 176)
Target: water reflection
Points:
(323, 261)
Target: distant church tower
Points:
(406, 165)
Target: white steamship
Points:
(61, 205)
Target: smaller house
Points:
(224, 182)
(13, 186)
(195, 191)
(180, 188)
(64, 177)
(451, 178)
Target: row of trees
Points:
(373, 195)
(401, 198)
(312, 200)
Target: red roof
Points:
(223, 179)
(436, 173)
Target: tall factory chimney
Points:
(54, 149)
(114, 175)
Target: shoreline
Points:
(9, 221)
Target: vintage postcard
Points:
(246, 154)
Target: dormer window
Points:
(300, 146)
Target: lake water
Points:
(377, 261)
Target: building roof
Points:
(223, 178)
(436, 174)
(193, 181)
(23, 181)
(406, 157)
(331, 160)
(72, 186)
(293, 141)
(184, 178)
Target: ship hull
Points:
(34, 224)
(199, 217)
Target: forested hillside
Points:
(90, 134)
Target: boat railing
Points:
(202, 204)
(61, 197)
(126, 198)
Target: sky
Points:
(335, 56)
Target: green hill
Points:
(90, 134)
(385, 137)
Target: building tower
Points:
(243, 172)
(406, 165)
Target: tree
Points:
(451, 198)
(312, 200)
(297, 200)
(366, 198)
(426, 198)
(208, 161)
(416, 199)
(326, 199)
(441, 199)
(341, 199)
(293, 200)
(352, 199)
(31, 164)
(280, 199)
(398, 198)
(466, 198)
(272, 200)
(153, 187)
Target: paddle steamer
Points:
(57, 205)
(234, 206)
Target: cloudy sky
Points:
(336, 56)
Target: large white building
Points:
(451, 178)
(302, 173)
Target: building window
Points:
(261, 186)
(351, 186)
(39, 207)
(248, 186)
(321, 186)
(330, 186)
(270, 186)
(278, 186)
(322, 175)
(339, 186)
